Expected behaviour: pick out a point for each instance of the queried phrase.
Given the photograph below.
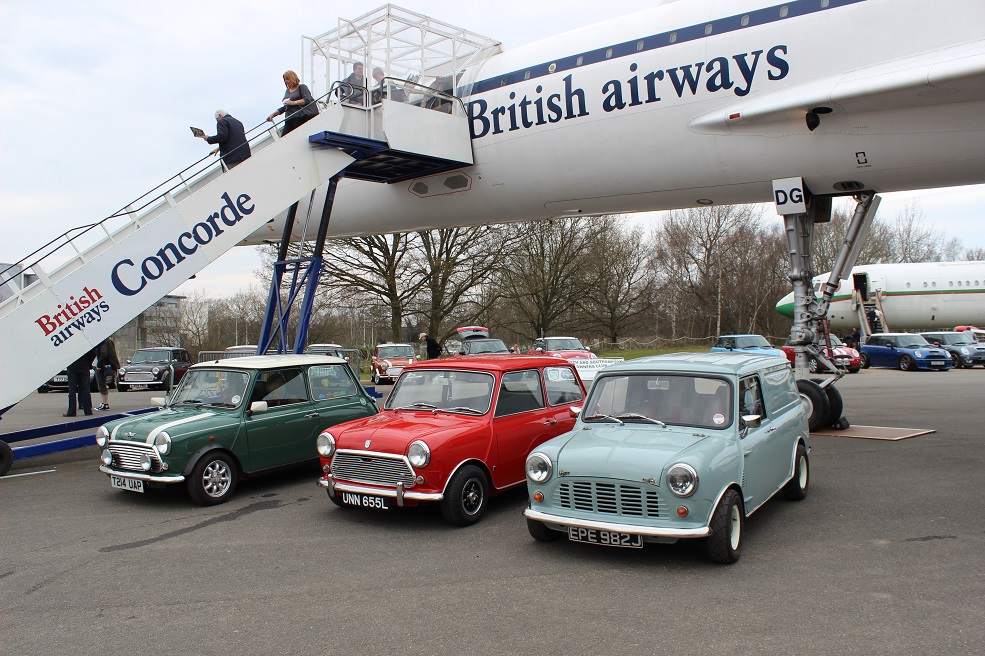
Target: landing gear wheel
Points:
(864, 359)
(906, 363)
(725, 541)
(213, 479)
(796, 487)
(466, 496)
(835, 405)
(815, 402)
(540, 532)
(6, 458)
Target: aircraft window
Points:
(825, 3)
(579, 60)
(552, 67)
(608, 53)
(673, 37)
(925, 285)
(639, 46)
(976, 283)
(950, 283)
(784, 11)
(959, 283)
(933, 284)
(708, 28)
(526, 76)
(744, 21)
(502, 82)
(907, 285)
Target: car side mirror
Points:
(258, 406)
(461, 352)
(540, 349)
(575, 410)
(159, 401)
(129, 361)
(752, 421)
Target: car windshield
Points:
(912, 341)
(836, 342)
(955, 339)
(466, 392)
(485, 346)
(743, 342)
(564, 344)
(151, 356)
(397, 352)
(676, 399)
(212, 387)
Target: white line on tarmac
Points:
(44, 471)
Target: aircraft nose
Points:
(785, 305)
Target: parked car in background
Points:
(59, 383)
(480, 346)
(452, 432)
(152, 368)
(843, 356)
(975, 332)
(746, 344)
(960, 346)
(472, 332)
(334, 350)
(903, 351)
(229, 419)
(389, 360)
(561, 347)
(670, 447)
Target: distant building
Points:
(17, 279)
(158, 325)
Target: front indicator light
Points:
(538, 496)
(145, 461)
(106, 457)
(682, 511)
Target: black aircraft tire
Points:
(835, 405)
(815, 402)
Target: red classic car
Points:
(844, 357)
(452, 432)
(389, 360)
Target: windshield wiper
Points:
(459, 409)
(609, 417)
(220, 404)
(188, 402)
(415, 406)
(634, 415)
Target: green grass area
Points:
(630, 354)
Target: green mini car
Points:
(232, 418)
(674, 446)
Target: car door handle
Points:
(550, 422)
(771, 429)
(311, 415)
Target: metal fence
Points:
(352, 356)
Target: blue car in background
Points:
(746, 344)
(903, 351)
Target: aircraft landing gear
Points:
(809, 332)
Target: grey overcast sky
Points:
(97, 98)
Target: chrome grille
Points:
(608, 498)
(371, 470)
(126, 455)
(139, 377)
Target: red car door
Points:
(521, 422)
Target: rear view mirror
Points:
(752, 421)
(575, 410)
(258, 406)
(158, 401)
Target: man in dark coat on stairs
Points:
(231, 137)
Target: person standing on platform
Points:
(78, 383)
(357, 85)
(107, 364)
(299, 106)
(230, 135)
(433, 347)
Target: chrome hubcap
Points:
(216, 478)
(472, 496)
(735, 520)
(802, 473)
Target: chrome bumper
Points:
(635, 529)
(153, 478)
(399, 493)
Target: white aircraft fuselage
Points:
(700, 102)
(924, 295)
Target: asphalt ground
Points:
(885, 556)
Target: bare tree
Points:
(619, 279)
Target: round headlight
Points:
(539, 467)
(145, 461)
(102, 436)
(163, 443)
(918, 353)
(155, 371)
(122, 371)
(325, 445)
(682, 480)
(964, 350)
(384, 365)
(419, 454)
(106, 457)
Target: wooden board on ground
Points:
(875, 432)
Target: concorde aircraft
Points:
(905, 296)
(692, 102)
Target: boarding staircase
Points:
(89, 282)
(871, 317)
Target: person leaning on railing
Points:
(299, 106)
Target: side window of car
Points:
(562, 385)
(751, 397)
(279, 387)
(519, 391)
(331, 382)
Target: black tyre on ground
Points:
(906, 363)
(955, 361)
(836, 405)
(816, 403)
(373, 378)
(466, 496)
(213, 479)
(864, 359)
(540, 532)
(796, 487)
(853, 370)
(724, 544)
(122, 387)
(336, 499)
(6, 458)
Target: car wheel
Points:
(955, 361)
(336, 499)
(864, 360)
(42, 390)
(906, 363)
(815, 402)
(853, 370)
(374, 378)
(725, 541)
(466, 496)
(540, 532)
(122, 387)
(213, 479)
(796, 487)
(6, 458)
(813, 365)
(835, 405)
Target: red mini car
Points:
(452, 432)
(844, 357)
(389, 360)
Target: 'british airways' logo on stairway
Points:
(72, 317)
(129, 278)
